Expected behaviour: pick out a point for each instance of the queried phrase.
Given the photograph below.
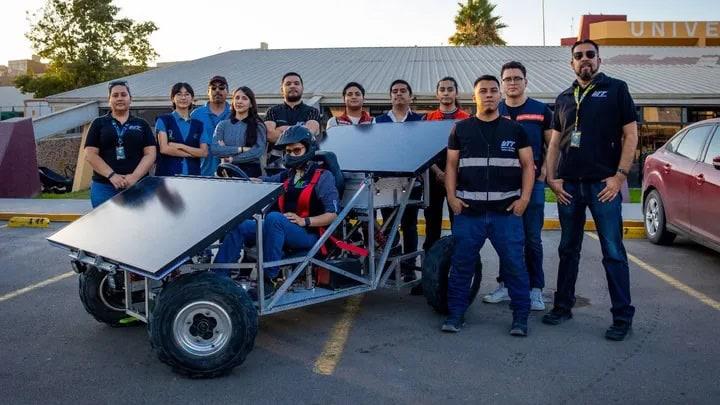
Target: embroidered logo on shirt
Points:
(599, 93)
(134, 128)
(507, 146)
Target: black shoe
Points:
(519, 327)
(618, 330)
(557, 316)
(453, 325)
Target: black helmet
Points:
(297, 134)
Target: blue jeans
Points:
(101, 192)
(608, 221)
(505, 232)
(533, 220)
(278, 233)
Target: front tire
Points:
(436, 269)
(655, 224)
(105, 304)
(203, 325)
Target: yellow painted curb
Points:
(5, 216)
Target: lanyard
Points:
(578, 100)
(120, 132)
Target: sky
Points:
(188, 31)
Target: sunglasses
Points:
(588, 54)
(295, 151)
(221, 88)
(117, 83)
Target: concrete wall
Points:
(59, 152)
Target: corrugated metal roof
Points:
(651, 72)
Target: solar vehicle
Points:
(144, 252)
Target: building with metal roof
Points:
(672, 86)
(666, 75)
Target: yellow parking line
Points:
(328, 360)
(671, 280)
(36, 286)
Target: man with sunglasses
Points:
(594, 138)
(535, 117)
(310, 201)
(214, 111)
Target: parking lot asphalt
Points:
(54, 352)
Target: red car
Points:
(681, 187)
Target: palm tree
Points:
(475, 24)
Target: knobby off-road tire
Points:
(436, 268)
(203, 325)
(105, 304)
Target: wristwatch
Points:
(307, 221)
(622, 171)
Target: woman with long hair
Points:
(241, 140)
(180, 138)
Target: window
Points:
(694, 141)
(713, 149)
(673, 144)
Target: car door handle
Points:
(700, 179)
(667, 167)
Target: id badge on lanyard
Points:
(576, 134)
(120, 148)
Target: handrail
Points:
(69, 118)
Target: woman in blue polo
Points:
(242, 139)
(180, 138)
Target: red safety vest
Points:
(303, 211)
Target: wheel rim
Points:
(652, 216)
(109, 299)
(202, 328)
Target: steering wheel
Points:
(230, 170)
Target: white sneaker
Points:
(500, 294)
(536, 300)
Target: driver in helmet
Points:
(310, 201)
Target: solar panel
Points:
(158, 224)
(390, 149)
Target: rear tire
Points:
(203, 325)
(655, 224)
(105, 304)
(436, 268)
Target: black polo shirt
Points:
(603, 113)
(283, 114)
(103, 135)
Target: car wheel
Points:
(655, 225)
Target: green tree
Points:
(86, 43)
(475, 24)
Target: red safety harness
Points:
(303, 211)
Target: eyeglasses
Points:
(298, 150)
(588, 54)
(220, 87)
(514, 79)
